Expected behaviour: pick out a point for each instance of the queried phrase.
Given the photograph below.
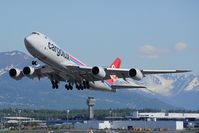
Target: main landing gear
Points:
(83, 85)
(54, 84)
(69, 86)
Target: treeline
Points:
(76, 114)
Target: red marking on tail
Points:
(115, 64)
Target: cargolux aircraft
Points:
(62, 66)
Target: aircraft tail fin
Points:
(116, 64)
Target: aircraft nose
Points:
(28, 41)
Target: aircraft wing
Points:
(86, 72)
(125, 72)
(163, 71)
(46, 71)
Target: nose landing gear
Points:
(34, 63)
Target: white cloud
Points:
(180, 46)
(150, 51)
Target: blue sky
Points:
(145, 34)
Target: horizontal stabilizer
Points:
(127, 86)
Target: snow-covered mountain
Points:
(193, 85)
(171, 84)
(168, 91)
(11, 59)
(180, 90)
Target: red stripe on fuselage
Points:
(78, 62)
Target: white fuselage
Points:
(43, 48)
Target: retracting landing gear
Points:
(69, 86)
(87, 84)
(80, 86)
(54, 84)
(83, 85)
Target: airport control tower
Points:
(91, 103)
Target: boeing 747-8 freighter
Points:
(62, 66)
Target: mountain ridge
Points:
(170, 91)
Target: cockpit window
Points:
(35, 33)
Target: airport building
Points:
(92, 124)
(163, 115)
(16, 122)
(144, 121)
(148, 125)
(127, 124)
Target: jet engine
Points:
(15, 73)
(136, 74)
(98, 72)
(28, 71)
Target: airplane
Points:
(62, 66)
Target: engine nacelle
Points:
(98, 72)
(28, 71)
(15, 73)
(136, 74)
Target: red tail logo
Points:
(115, 64)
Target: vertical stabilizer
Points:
(115, 64)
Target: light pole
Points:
(68, 111)
(19, 111)
(110, 113)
